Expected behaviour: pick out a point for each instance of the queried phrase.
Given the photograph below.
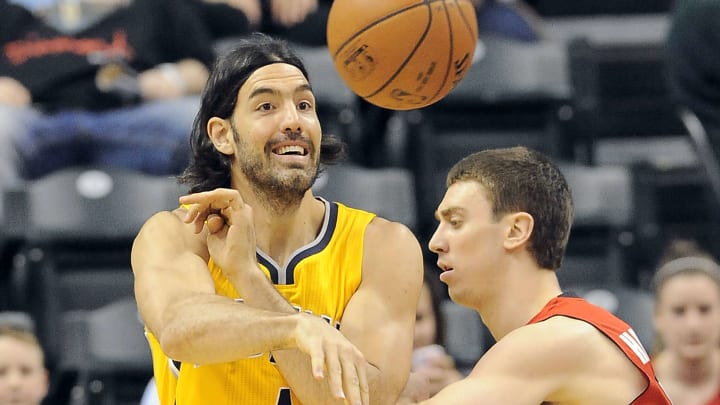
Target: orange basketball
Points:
(402, 54)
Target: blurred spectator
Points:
(687, 321)
(112, 83)
(23, 377)
(430, 358)
(511, 19)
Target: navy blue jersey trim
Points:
(274, 277)
(324, 242)
(317, 246)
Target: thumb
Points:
(215, 223)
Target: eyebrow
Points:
(448, 212)
(275, 92)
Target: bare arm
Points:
(176, 298)
(379, 318)
(231, 243)
(171, 80)
(560, 360)
(291, 12)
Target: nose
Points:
(291, 122)
(437, 242)
(695, 320)
(14, 379)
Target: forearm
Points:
(208, 328)
(294, 365)
(295, 368)
(194, 74)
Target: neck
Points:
(523, 291)
(279, 233)
(697, 370)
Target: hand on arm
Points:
(322, 350)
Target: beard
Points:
(278, 189)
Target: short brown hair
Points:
(520, 179)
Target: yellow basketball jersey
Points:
(319, 278)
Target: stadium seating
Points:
(77, 226)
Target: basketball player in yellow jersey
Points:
(255, 291)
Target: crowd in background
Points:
(117, 83)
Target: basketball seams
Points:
(409, 74)
(451, 49)
(411, 53)
(378, 21)
(464, 18)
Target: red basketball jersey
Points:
(616, 330)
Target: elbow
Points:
(177, 338)
(175, 341)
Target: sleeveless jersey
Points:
(616, 330)
(319, 278)
(715, 400)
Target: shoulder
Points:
(166, 230)
(559, 345)
(392, 253)
(382, 235)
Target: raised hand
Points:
(231, 231)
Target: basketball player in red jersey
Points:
(503, 228)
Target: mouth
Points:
(290, 149)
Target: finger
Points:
(351, 382)
(217, 198)
(317, 362)
(335, 371)
(194, 215)
(364, 384)
(215, 223)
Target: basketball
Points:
(402, 54)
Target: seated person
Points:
(23, 377)
(429, 356)
(687, 321)
(119, 88)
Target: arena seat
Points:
(77, 226)
(633, 305)
(107, 349)
(388, 192)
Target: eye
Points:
(265, 107)
(679, 311)
(305, 106)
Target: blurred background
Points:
(97, 98)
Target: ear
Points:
(220, 134)
(520, 227)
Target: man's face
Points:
(277, 131)
(469, 243)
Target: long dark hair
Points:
(208, 168)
